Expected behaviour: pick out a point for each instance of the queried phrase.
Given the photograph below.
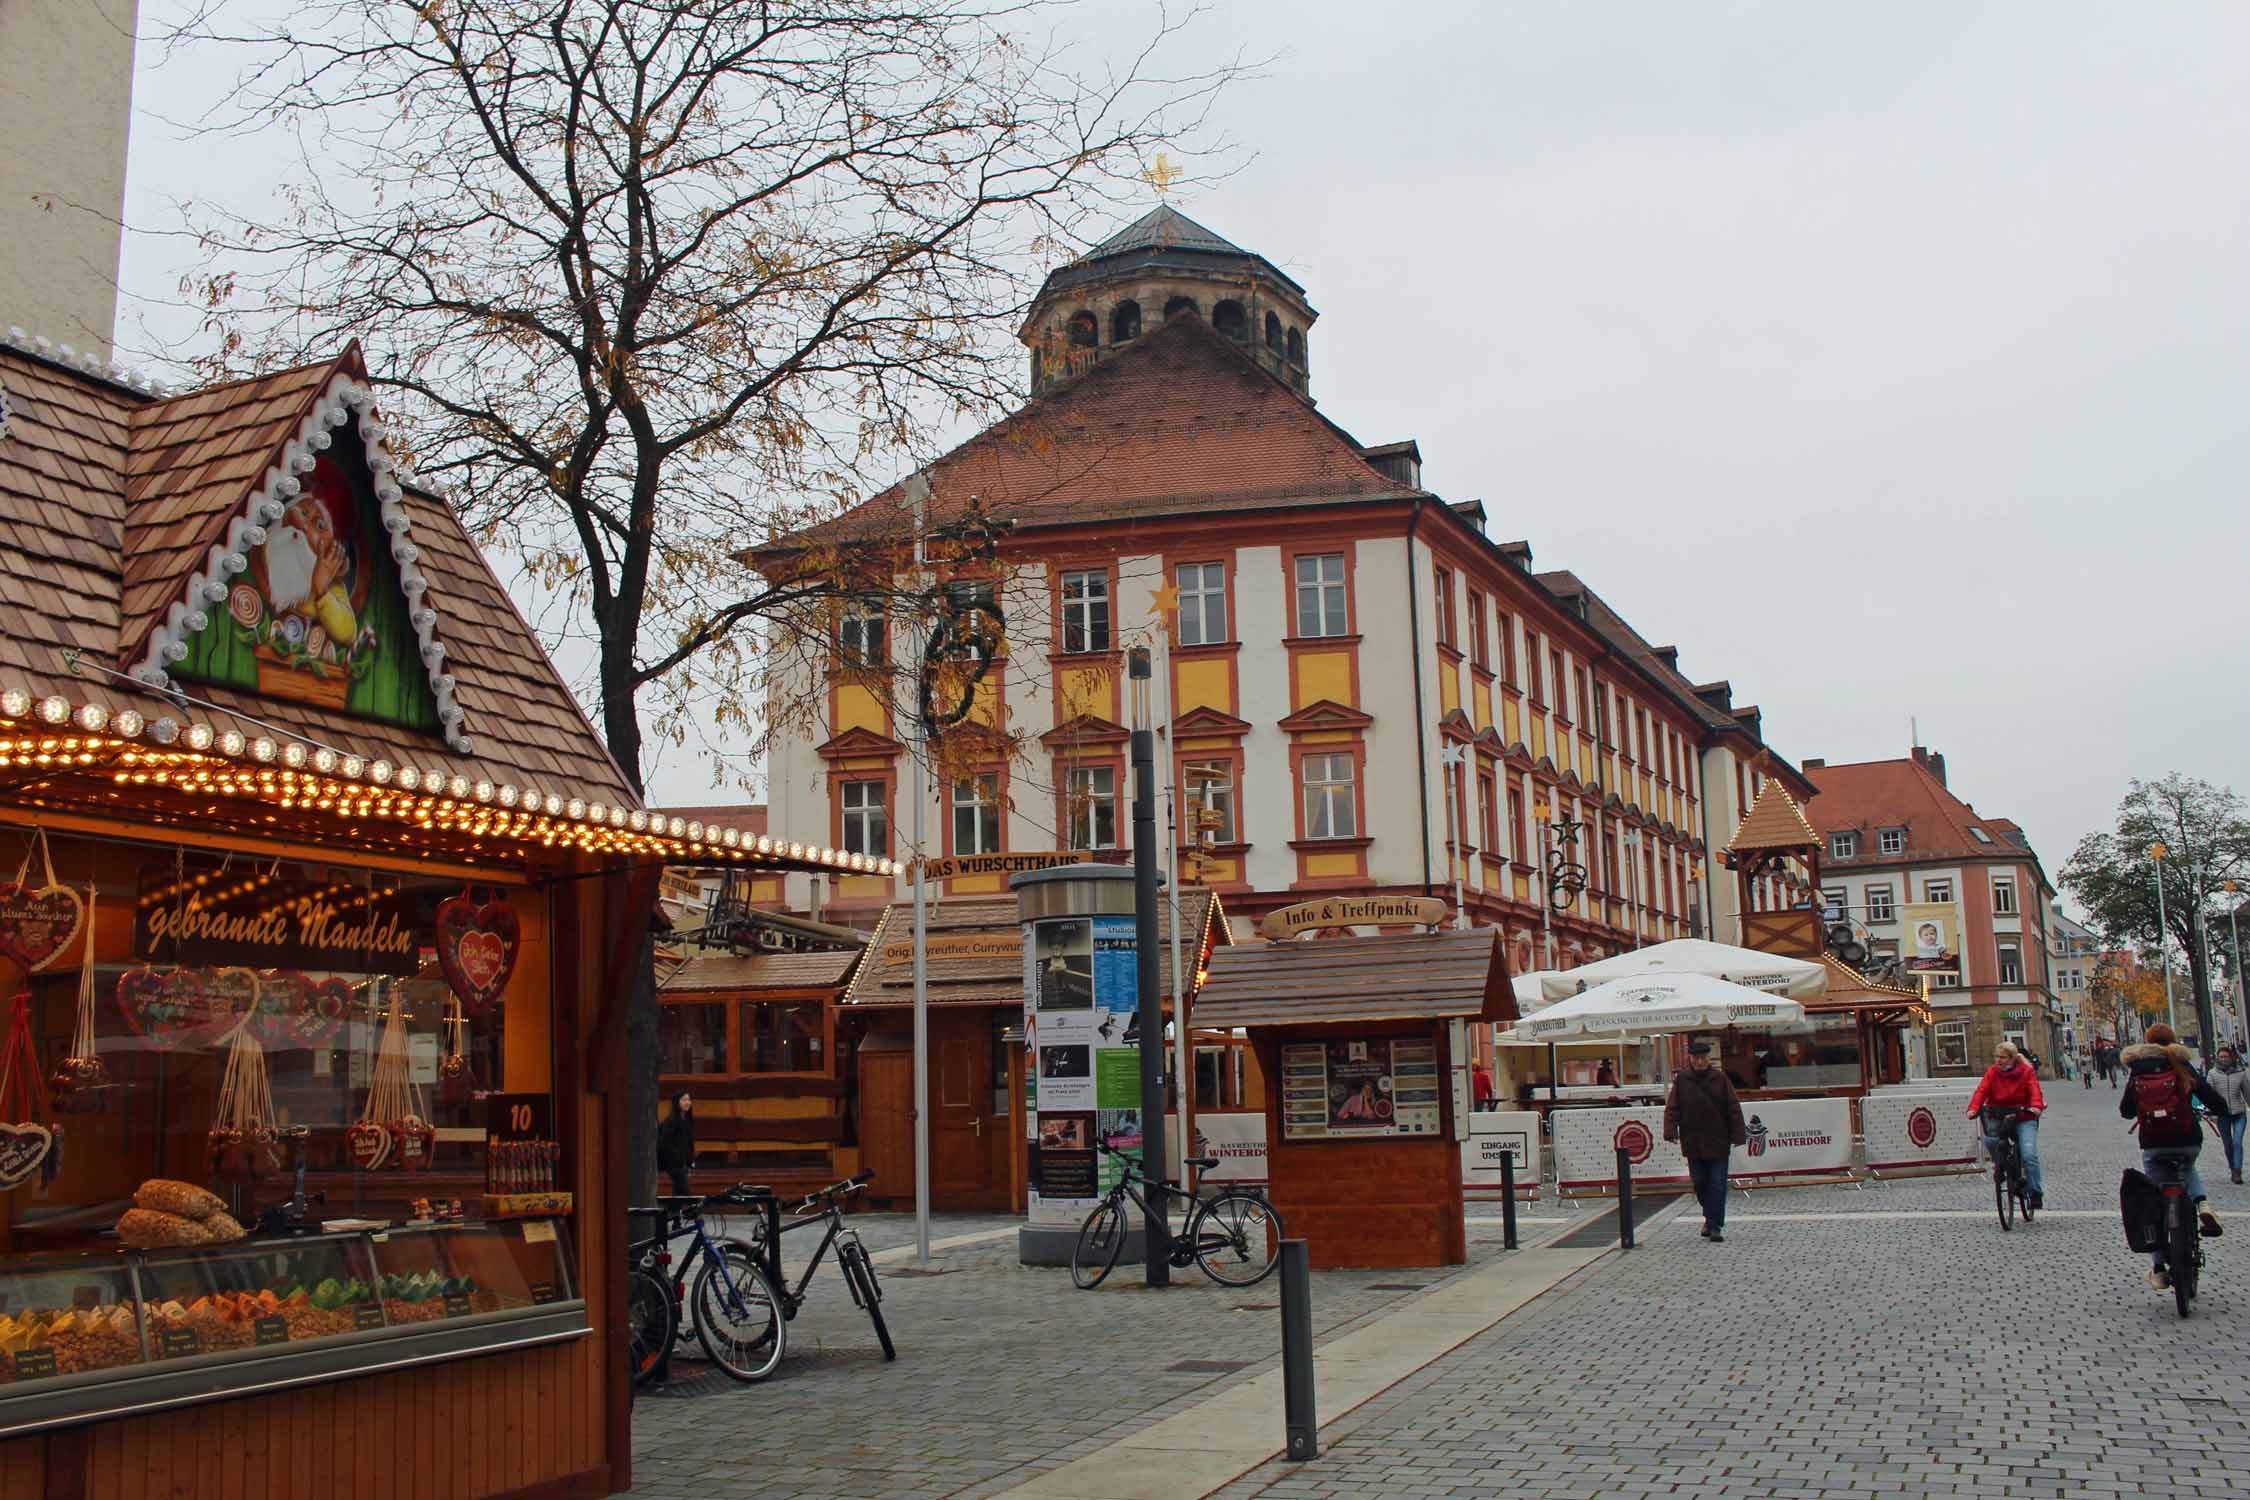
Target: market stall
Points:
(1365, 1041)
(313, 969)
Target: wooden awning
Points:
(747, 974)
(1391, 977)
(1852, 993)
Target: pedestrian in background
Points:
(2230, 1080)
(1480, 1083)
(675, 1144)
(1704, 1115)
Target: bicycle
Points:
(652, 1323)
(732, 1307)
(827, 1206)
(2009, 1188)
(1234, 1235)
(2181, 1245)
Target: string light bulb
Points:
(15, 703)
(128, 724)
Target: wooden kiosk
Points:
(1364, 1041)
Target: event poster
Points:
(1380, 1086)
(1082, 1027)
(1933, 937)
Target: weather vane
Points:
(1161, 175)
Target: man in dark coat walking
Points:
(1704, 1114)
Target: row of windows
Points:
(1228, 316)
(1846, 845)
(1879, 908)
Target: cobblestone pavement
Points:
(1880, 1341)
(1004, 1371)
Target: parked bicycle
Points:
(827, 1207)
(2011, 1190)
(732, 1307)
(1234, 1235)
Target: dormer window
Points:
(1843, 846)
(1891, 841)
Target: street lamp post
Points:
(2156, 852)
(2234, 946)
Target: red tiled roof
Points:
(1178, 420)
(109, 500)
(1870, 796)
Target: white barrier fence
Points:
(1788, 1138)
(1495, 1136)
(1237, 1139)
(1917, 1130)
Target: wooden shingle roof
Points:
(1775, 821)
(111, 498)
(744, 973)
(1389, 977)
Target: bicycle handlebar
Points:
(814, 1200)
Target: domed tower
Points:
(1165, 265)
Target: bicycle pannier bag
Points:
(2141, 1202)
(2165, 1108)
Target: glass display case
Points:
(261, 1293)
(456, 1270)
(65, 1315)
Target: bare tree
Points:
(654, 280)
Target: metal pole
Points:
(2234, 941)
(1624, 1199)
(1183, 979)
(1300, 1413)
(1154, 1159)
(2164, 942)
(1507, 1200)
(918, 494)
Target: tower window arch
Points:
(1273, 333)
(1084, 330)
(1125, 322)
(1296, 346)
(1179, 305)
(1229, 319)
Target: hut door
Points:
(960, 1109)
(886, 1120)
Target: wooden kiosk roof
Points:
(1775, 821)
(976, 949)
(741, 974)
(1389, 977)
(1850, 990)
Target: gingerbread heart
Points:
(283, 998)
(368, 1145)
(476, 947)
(22, 1148)
(163, 1009)
(412, 1142)
(323, 1016)
(36, 925)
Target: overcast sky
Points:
(1890, 359)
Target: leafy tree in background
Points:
(2205, 831)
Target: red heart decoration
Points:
(412, 1142)
(164, 1009)
(22, 1148)
(368, 1144)
(36, 925)
(283, 1000)
(476, 947)
(323, 1016)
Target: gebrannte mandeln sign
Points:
(1352, 911)
(275, 923)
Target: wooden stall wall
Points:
(1366, 1204)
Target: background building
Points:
(2070, 961)
(1368, 693)
(1897, 835)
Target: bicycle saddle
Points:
(1201, 1163)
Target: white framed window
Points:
(1843, 845)
(1879, 908)
(2003, 895)
(1093, 807)
(867, 823)
(1085, 611)
(1891, 841)
(1203, 603)
(976, 814)
(2011, 964)
(861, 634)
(1320, 595)
(1950, 1043)
(1331, 809)
(1210, 789)
(1937, 890)
(1946, 981)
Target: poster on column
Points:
(1117, 1051)
(1059, 1040)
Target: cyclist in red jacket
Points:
(2009, 1091)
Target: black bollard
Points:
(1624, 1199)
(1508, 1200)
(1299, 1413)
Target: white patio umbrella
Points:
(1797, 978)
(1529, 994)
(1657, 1004)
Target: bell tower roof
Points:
(1164, 238)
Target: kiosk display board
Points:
(1350, 1090)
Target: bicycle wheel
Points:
(1100, 1241)
(1237, 1238)
(651, 1323)
(738, 1315)
(2023, 1196)
(2183, 1252)
(2004, 1198)
(859, 1275)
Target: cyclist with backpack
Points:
(2161, 1091)
(2009, 1095)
